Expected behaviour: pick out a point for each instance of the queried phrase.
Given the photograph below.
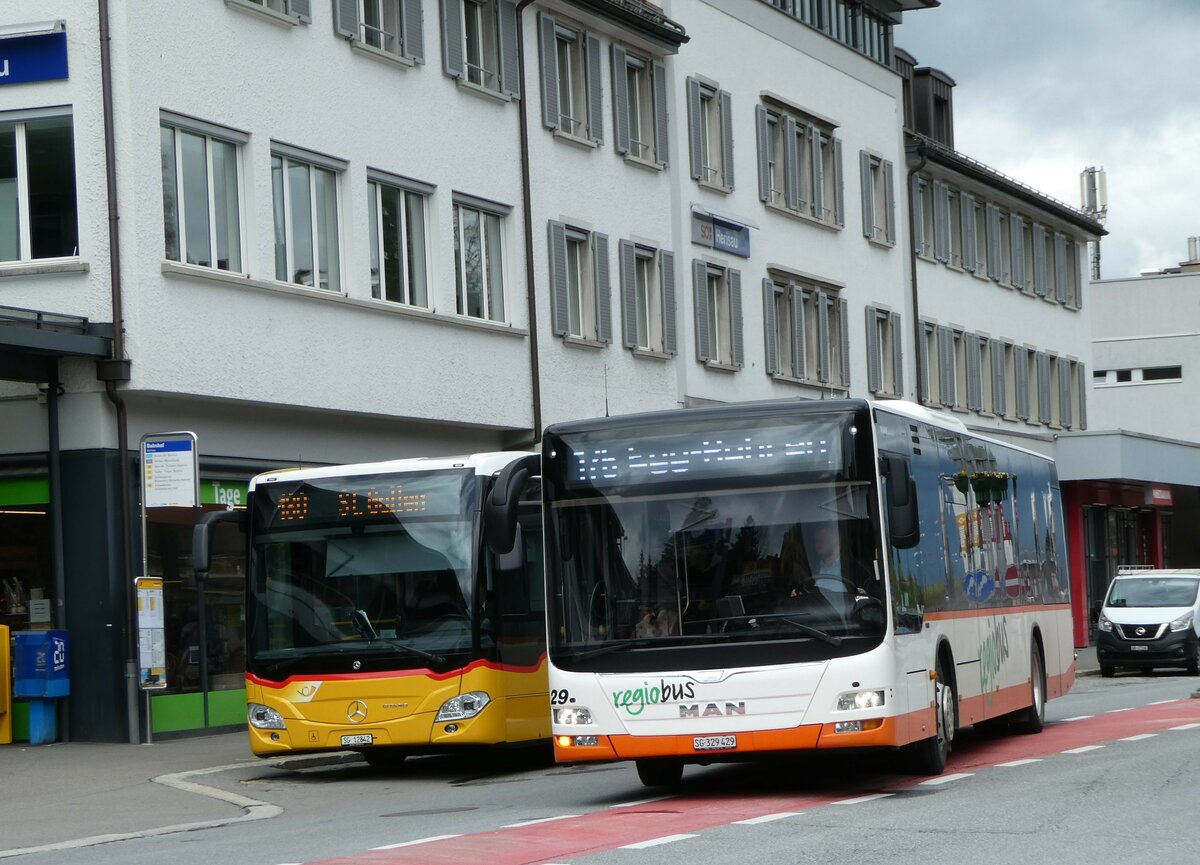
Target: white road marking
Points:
(1079, 718)
(654, 842)
(1083, 750)
(1024, 762)
(1162, 702)
(859, 799)
(428, 840)
(536, 822)
(1125, 709)
(1138, 737)
(637, 802)
(945, 779)
(767, 818)
(1186, 727)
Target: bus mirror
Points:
(500, 506)
(202, 536)
(903, 521)
(514, 559)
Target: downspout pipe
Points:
(913, 216)
(118, 370)
(535, 377)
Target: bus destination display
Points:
(327, 501)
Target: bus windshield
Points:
(378, 565)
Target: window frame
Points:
(377, 181)
(20, 121)
(648, 298)
(885, 352)
(717, 294)
(649, 107)
(592, 291)
(290, 156)
(878, 197)
(584, 120)
(710, 134)
(486, 211)
(811, 163)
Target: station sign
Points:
(37, 56)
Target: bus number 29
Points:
(560, 697)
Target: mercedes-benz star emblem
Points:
(357, 665)
(357, 713)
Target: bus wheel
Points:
(928, 757)
(660, 773)
(1033, 719)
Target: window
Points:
(392, 27)
(878, 198)
(580, 296)
(783, 328)
(1028, 249)
(924, 224)
(479, 260)
(305, 198)
(943, 365)
(1004, 235)
(1044, 367)
(640, 106)
(884, 352)
(647, 298)
(807, 337)
(827, 205)
(1003, 393)
(954, 223)
(710, 134)
(1043, 260)
(1137, 376)
(301, 10)
(799, 166)
(1024, 378)
(1072, 290)
(479, 38)
(570, 80)
(201, 194)
(397, 213)
(718, 308)
(38, 217)
(983, 260)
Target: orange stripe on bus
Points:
(944, 615)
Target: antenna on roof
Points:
(1093, 193)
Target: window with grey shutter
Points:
(661, 142)
(919, 191)
(453, 61)
(1060, 268)
(727, 136)
(510, 67)
(558, 279)
(993, 241)
(874, 351)
(1045, 402)
(966, 218)
(924, 383)
(301, 9)
(620, 100)
(1016, 227)
(627, 261)
(824, 349)
(736, 343)
(974, 372)
(897, 354)
(839, 192)
(946, 370)
(413, 30)
(1064, 391)
(765, 143)
(603, 287)
(999, 380)
(695, 133)
(791, 163)
(595, 113)
(817, 193)
(1081, 423)
(889, 200)
(666, 274)
(941, 222)
(700, 300)
(1039, 261)
(345, 18)
(1021, 380)
(770, 327)
(799, 335)
(868, 194)
(548, 42)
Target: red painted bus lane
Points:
(559, 840)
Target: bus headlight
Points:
(463, 706)
(859, 700)
(264, 717)
(572, 715)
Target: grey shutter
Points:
(301, 9)
(897, 354)
(941, 222)
(1045, 415)
(595, 112)
(559, 302)
(548, 42)
(974, 373)
(661, 141)
(764, 152)
(1021, 370)
(839, 194)
(727, 137)
(791, 163)
(345, 18)
(924, 385)
(1064, 392)
(737, 349)
(1081, 423)
(817, 193)
(1039, 261)
(992, 221)
(1016, 236)
(510, 61)
(919, 191)
(824, 350)
(695, 135)
(1060, 268)
(770, 327)
(453, 61)
(413, 28)
(874, 352)
(603, 284)
(999, 382)
(868, 195)
(889, 200)
(700, 303)
(844, 330)
(799, 334)
(620, 100)
(666, 273)
(945, 366)
(627, 261)
(966, 218)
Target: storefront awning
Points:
(33, 341)
(1121, 455)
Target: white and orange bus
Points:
(379, 615)
(736, 581)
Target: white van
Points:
(1151, 618)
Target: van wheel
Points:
(928, 757)
(1033, 719)
(1193, 665)
(1107, 670)
(660, 773)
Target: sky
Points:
(1045, 88)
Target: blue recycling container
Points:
(41, 673)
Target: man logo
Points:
(357, 713)
(712, 710)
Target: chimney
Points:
(933, 105)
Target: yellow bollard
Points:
(5, 687)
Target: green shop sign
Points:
(223, 493)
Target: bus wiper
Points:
(809, 630)
(362, 624)
(643, 643)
